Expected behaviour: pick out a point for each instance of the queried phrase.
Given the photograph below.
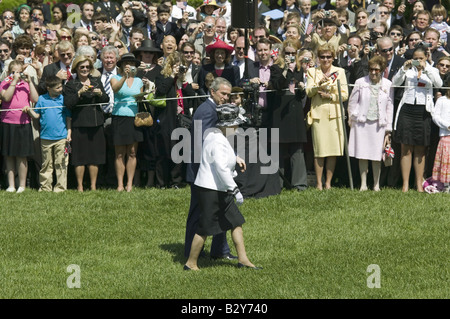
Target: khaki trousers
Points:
(53, 159)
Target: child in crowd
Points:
(439, 15)
(16, 135)
(236, 98)
(207, 9)
(164, 27)
(441, 116)
(55, 134)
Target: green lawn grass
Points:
(311, 244)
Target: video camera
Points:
(253, 111)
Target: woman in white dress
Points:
(218, 191)
(370, 110)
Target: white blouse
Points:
(217, 167)
(441, 115)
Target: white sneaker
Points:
(10, 190)
(20, 190)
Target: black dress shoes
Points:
(226, 256)
(245, 266)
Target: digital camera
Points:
(182, 69)
(132, 69)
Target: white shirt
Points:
(441, 115)
(217, 167)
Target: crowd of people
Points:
(71, 88)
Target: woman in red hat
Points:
(220, 56)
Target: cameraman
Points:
(208, 28)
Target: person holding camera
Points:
(126, 135)
(172, 84)
(83, 96)
(286, 112)
(17, 91)
(413, 119)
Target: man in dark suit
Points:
(109, 8)
(61, 68)
(204, 118)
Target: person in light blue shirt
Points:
(55, 133)
(126, 136)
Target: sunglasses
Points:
(84, 67)
(444, 65)
(4, 51)
(188, 52)
(290, 53)
(239, 48)
(387, 50)
(94, 38)
(395, 34)
(65, 37)
(374, 70)
(118, 46)
(69, 55)
(323, 57)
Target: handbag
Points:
(184, 120)
(143, 118)
(155, 101)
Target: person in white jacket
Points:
(217, 189)
(412, 126)
(441, 116)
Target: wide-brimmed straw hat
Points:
(228, 115)
(219, 44)
(210, 3)
(128, 57)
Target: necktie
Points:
(88, 27)
(69, 75)
(107, 108)
(386, 73)
(303, 27)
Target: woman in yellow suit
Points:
(325, 115)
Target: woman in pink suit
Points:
(370, 110)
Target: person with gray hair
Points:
(205, 117)
(90, 52)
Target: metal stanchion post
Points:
(349, 168)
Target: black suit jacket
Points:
(230, 72)
(171, 29)
(207, 114)
(112, 12)
(49, 70)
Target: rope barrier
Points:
(199, 96)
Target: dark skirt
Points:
(413, 125)
(88, 146)
(219, 212)
(17, 140)
(124, 131)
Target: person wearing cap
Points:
(209, 9)
(220, 55)
(149, 69)
(217, 190)
(83, 96)
(126, 136)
